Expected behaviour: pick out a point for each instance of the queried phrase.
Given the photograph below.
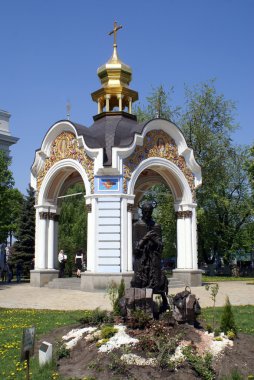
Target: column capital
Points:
(130, 207)
(89, 207)
(183, 214)
(44, 215)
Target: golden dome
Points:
(115, 77)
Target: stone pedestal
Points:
(91, 281)
(190, 277)
(39, 278)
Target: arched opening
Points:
(154, 171)
(151, 185)
(61, 217)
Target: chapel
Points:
(117, 159)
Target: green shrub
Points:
(96, 317)
(115, 293)
(139, 319)
(108, 331)
(231, 335)
(62, 352)
(209, 328)
(101, 342)
(216, 332)
(201, 364)
(227, 319)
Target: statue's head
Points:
(147, 209)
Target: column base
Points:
(41, 277)
(190, 277)
(91, 281)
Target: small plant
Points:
(231, 335)
(227, 319)
(213, 289)
(201, 364)
(218, 339)
(62, 352)
(166, 348)
(101, 342)
(96, 317)
(115, 293)
(139, 319)
(216, 332)
(108, 331)
(209, 328)
(117, 366)
(235, 375)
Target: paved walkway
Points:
(25, 296)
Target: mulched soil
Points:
(85, 360)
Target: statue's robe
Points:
(147, 257)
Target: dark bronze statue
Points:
(147, 249)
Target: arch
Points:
(51, 175)
(172, 175)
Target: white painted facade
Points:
(109, 225)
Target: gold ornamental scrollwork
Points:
(66, 146)
(157, 144)
(183, 214)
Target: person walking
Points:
(62, 258)
(79, 259)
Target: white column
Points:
(129, 242)
(124, 236)
(51, 242)
(194, 239)
(56, 242)
(107, 97)
(91, 236)
(120, 102)
(42, 240)
(37, 237)
(180, 244)
(130, 105)
(188, 243)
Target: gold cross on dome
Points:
(114, 31)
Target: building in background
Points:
(6, 139)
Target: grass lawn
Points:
(222, 278)
(13, 321)
(243, 317)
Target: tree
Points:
(73, 224)
(24, 246)
(10, 200)
(225, 208)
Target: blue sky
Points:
(51, 49)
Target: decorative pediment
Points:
(157, 143)
(66, 146)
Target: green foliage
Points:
(10, 201)
(235, 375)
(115, 293)
(139, 319)
(243, 317)
(96, 317)
(231, 335)
(11, 330)
(62, 352)
(108, 331)
(209, 328)
(227, 322)
(25, 244)
(225, 205)
(73, 225)
(213, 289)
(201, 364)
